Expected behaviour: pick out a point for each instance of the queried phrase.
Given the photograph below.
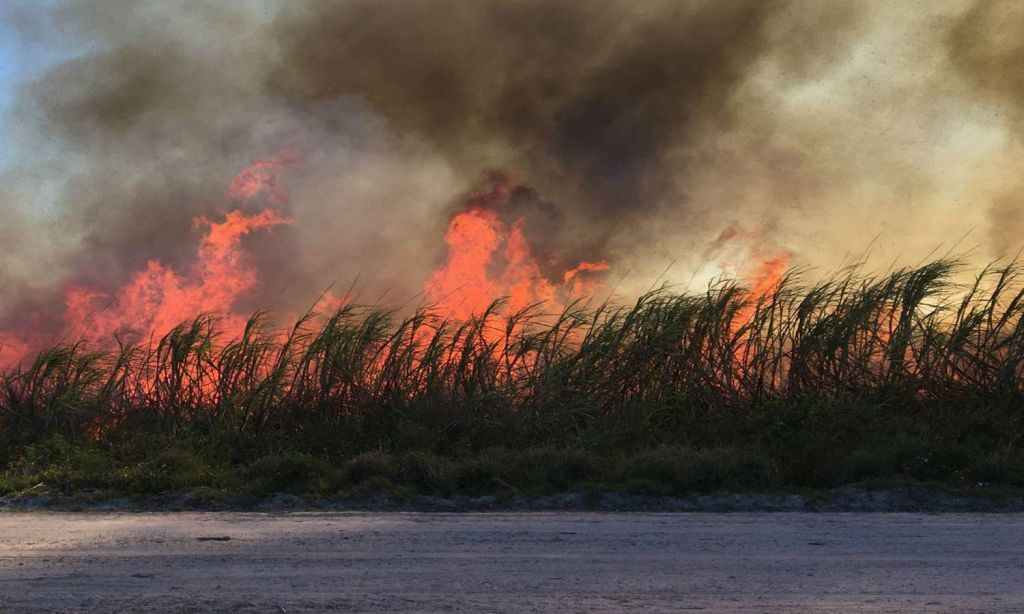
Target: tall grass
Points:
(658, 370)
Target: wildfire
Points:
(768, 274)
(158, 298)
(763, 278)
(762, 264)
(263, 176)
(12, 349)
(488, 258)
(580, 279)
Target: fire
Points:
(770, 263)
(768, 275)
(263, 176)
(462, 286)
(159, 298)
(488, 258)
(13, 349)
(582, 284)
(763, 279)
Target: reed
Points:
(721, 367)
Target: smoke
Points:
(636, 131)
(987, 47)
(586, 98)
(602, 108)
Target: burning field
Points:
(511, 246)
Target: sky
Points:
(12, 71)
(22, 58)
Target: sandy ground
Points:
(510, 562)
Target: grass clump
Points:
(685, 471)
(293, 473)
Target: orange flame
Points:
(13, 349)
(768, 275)
(488, 259)
(764, 277)
(263, 176)
(158, 298)
(462, 286)
(582, 284)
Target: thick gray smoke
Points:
(639, 131)
(587, 99)
(987, 48)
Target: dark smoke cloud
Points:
(585, 99)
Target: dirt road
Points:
(585, 562)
